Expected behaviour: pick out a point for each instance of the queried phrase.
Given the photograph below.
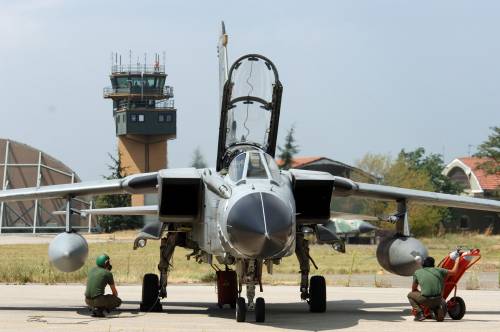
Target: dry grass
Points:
(25, 263)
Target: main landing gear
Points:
(154, 288)
(150, 301)
(314, 292)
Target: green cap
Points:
(101, 260)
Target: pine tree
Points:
(289, 150)
(198, 161)
(490, 149)
(114, 223)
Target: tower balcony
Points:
(139, 92)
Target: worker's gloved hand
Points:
(454, 255)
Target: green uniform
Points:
(97, 280)
(431, 280)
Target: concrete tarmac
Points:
(193, 308)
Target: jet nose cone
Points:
(259, 225)
(365, 227)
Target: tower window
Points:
(168, 117)
(133, 117)
(161, 117)
(141, 117)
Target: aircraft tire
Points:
(260, 310)
(241, 309)
(150, 288)
(317, 294)
(456, 308)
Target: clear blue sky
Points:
(358, 76)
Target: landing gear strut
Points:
(315, 291)
(154, 288)
(167, 248)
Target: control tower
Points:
(144, 113)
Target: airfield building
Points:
(144, 114)
(476, 183)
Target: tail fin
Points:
(223, 65)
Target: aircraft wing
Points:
(133, 184)
(313, 191)
(388, 193)
(146, 210)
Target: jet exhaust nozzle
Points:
(68, 251)
(400, 254)
(260, 225)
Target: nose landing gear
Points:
(249, 274)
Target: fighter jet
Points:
(245, 214)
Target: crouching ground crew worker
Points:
(431, 281)
(97, 279)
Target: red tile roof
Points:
(300, 161)
(486, 181)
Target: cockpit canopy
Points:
(250, 106)
(253, 165)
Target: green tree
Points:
(409, 170)
(433, 165)
(198, 161)
(424, 219)
(114, 223)
(490, 149)
(375, 164)
(289, 150)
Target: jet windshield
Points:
(253, 165)
(250, 108)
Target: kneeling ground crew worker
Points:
(97, 279)
(431, 281)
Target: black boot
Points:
(97, 312)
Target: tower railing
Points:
(138, 69)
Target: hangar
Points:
(24, 166)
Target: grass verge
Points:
(28, 263)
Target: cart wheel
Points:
(456, 308)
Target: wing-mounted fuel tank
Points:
(68, 251)
(250, 108)
(398, 254)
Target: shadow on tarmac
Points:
(339, 314)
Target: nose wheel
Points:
(241, 309)
(260, 310)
